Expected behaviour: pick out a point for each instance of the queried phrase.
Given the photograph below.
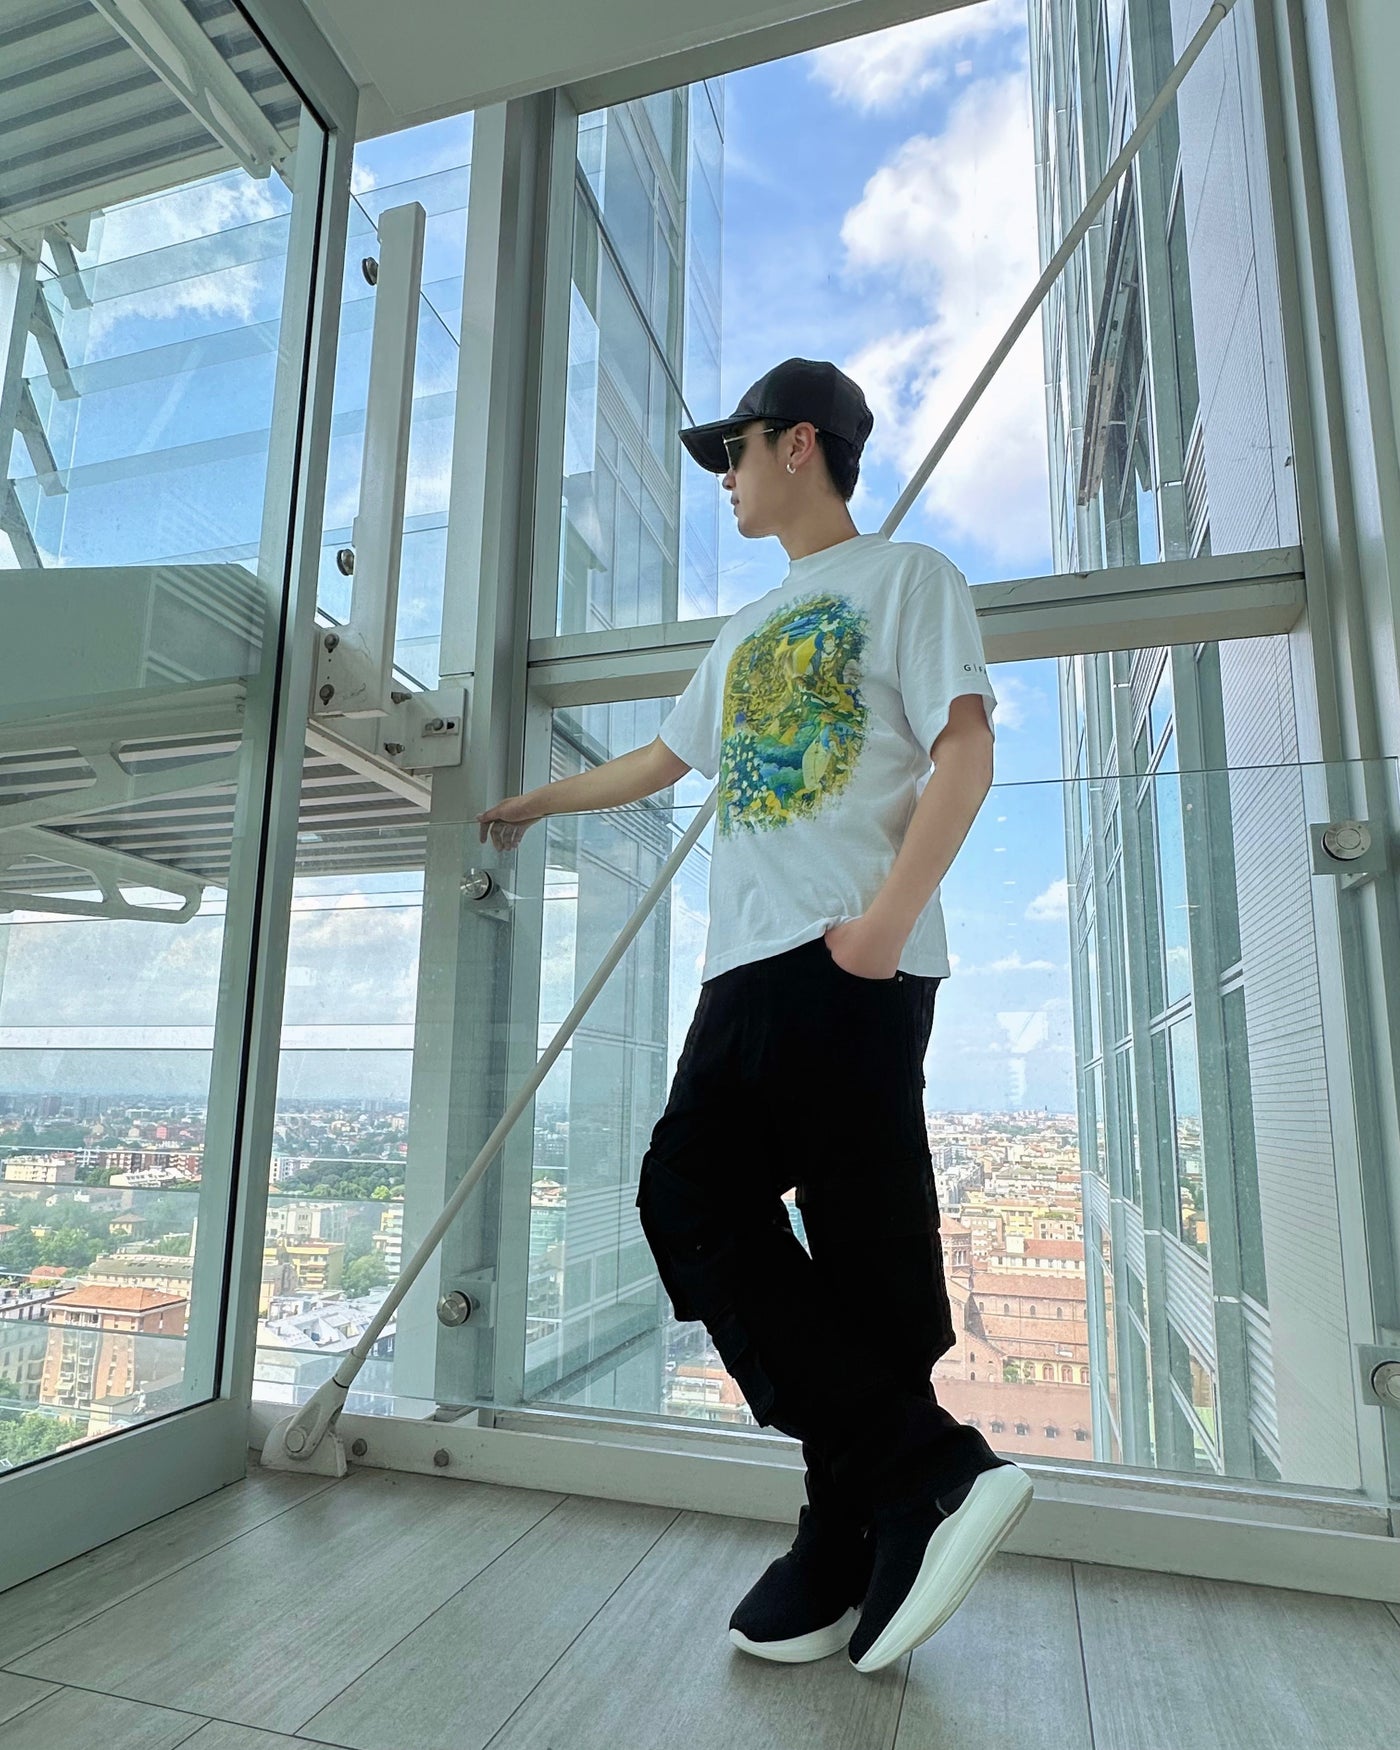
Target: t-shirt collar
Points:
(810, 562)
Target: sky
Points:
(879, 211)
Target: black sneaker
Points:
(927, 1558)
(805, 1604)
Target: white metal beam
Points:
(183, 58)
(1120, 608)
(108, 870)
(355, 661)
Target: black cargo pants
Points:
(796, 1072)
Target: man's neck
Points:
(816, 534)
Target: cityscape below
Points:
(99, 1205)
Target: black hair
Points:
(842, 463)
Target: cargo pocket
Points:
(660, 1250)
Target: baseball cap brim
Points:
(705, 444)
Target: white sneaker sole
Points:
(957, 1552)
(797, 1651)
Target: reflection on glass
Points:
(1160, 711)
(1194, 1400)
(1186, 1116)
(142, 559)
(1176, 937)
(1100, 1142)
(1089, 941)
(1242, 1148)
(644, 322)
(1127, 1117)
(1110, 1339)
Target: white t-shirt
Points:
(817, 706)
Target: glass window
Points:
(1186, 1115)
(1131, 1177)
(157, 343)
(1160, 710)
(1242, 1150)
(1171, 855)
(644, 542)
(1100, 1157)
(1188, 393)
(1196, 1385)
(1116, 997)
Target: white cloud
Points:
(1012, 695)
(1052, 905)
(1012, 963)
(230, 289)
(890, 67)
(951, 219)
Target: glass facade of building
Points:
(639, 546)
(1168, 440)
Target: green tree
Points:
(364, 1275)
(28, 1437)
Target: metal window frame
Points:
(89, 1494)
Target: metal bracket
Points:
(1350, 849)
(480, 1291)
(1373, 1358)
(415, 731)
(427, 729)
(347, 676)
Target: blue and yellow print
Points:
(794, 721)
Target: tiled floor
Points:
(400, 1612)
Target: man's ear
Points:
(807, 432)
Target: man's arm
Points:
(614, 784)
(962, 776)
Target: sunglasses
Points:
(734, 446)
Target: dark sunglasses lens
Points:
(733, 448)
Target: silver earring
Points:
(791, 469)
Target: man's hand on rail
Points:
(507, 821)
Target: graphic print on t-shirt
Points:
(793, 720)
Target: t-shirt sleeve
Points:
(938, 651)
(692, 730)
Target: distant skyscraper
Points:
(639, 544)
(1203, 1124)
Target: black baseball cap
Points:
(796, 390)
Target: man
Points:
(819, 708)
